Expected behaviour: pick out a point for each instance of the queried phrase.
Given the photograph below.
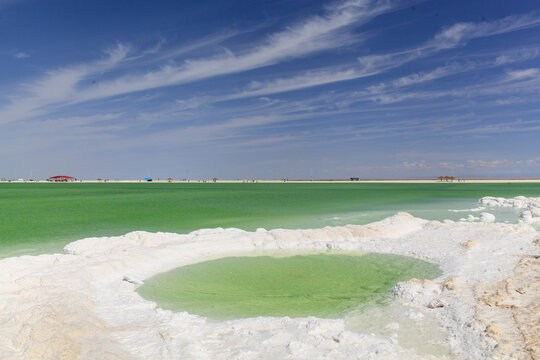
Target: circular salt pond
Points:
(327, 286)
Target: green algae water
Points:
(327, 286)
(43, 218)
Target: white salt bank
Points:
(83, 304)
(529, 207)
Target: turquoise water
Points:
(42, 218)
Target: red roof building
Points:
(61, 178)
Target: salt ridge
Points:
(82, 304)
(529, 206)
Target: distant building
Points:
(61, 178)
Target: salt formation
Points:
(82, 304)
(529, 206)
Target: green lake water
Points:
(42, 218)
(326, 286)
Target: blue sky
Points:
(269, 89)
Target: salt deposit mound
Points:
(528, 206)
(82, 304)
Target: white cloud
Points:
(514, 81)
(205, 133)
(437, 73)
(56, 86)
(374, 64)
(302, 81)
(459, 33)
(509, 88)
(315, 34)
(523, 74)
(515, 56)
(451, 37)
(78, 120)
(470, 164)
(414, 165)
(382, 92)
(21, 55)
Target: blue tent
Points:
(147, 179)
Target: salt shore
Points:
(82, 304)
(367, 181)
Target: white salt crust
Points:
(82, 304)
(529, 206)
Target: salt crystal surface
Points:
(82, 304)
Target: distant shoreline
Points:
(300, 181)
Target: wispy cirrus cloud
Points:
(384, 92)
(21, 55)
(451, 37)
(471, 163)
(371, 65)
(305, 80)
(462, 32)
(317, 33)
(313, 35)
(511, 56)
(512, 83)
(56, 86)
(523, 74)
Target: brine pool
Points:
(321, 285)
